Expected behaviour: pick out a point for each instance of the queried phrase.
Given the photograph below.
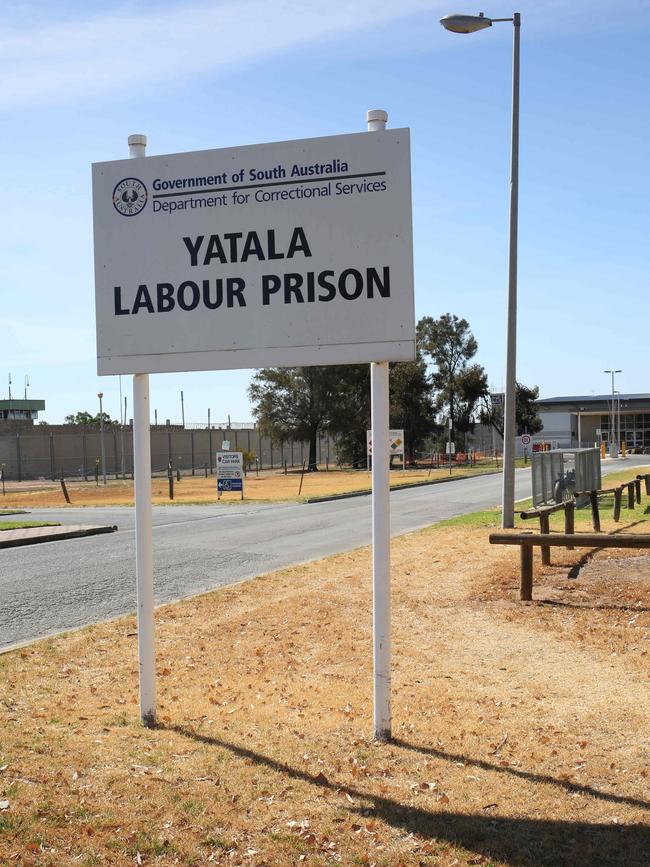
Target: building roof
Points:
(594, 401)
(14, 403)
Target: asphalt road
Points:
(56, 586)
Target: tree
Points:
(411, 403)
(472, 385)
(350, 415)
(527, 418)
(85, 418)
(450, 344)
(301, 402)
(295, 402)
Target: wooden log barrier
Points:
(526, 541)
(595, 514)
(544, 528)
(618, 496)
(569, 521)
(526, 579)
(630, 495)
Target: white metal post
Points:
(143, 523)
(379, 392)
(508, 506)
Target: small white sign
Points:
(525, 439)
(450, 448)
(280, 254)
(396, 442)
(230, 465)
(225, 445)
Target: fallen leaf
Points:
(497, 747)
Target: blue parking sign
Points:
(230, 485)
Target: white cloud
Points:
(115, 51)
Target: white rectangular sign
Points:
(396, 440)
(230, 465)
(281, 254)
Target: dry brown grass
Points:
(269, 487)
(520, 729)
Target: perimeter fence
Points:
(40, 453)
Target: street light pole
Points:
(100, 395)
(613, 443)
(471, 24)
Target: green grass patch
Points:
(621, 476)
(13, 512)
(486, 518)
(23, 525)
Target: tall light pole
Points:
(471, 24)
(613, 444)
(100, 395)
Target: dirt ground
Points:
(269, 486)
(520, 729)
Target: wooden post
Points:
(647, 482)
(595, 514)
(526, 585)
(64, 489)
(544, 529)
(569, 520)
(171, 486)
(205, 470)
(637, 489)
(302, 476)
(618, 496)
(630, 495)
(192, 448)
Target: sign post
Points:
(143, 522)
(380, 423)
(230, 472)
(276, 255)
(525, 441)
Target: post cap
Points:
(375, 114)
(138, 139)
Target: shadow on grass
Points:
(518, 841)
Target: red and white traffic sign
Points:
(525, 439)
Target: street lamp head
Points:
(100, 394)
(465, 23)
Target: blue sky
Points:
(77, 78)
